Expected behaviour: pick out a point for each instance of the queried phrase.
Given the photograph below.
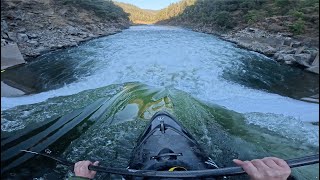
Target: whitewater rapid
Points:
(172, 57)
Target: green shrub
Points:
(251, 4)
(310, 2)
(224, 19)
(284, 6)
(297, 14)
(282, 3)
(253, 16)
(298, 27)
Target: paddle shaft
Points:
(228, 171)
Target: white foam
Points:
(195, 65)
(9, 126)
(272, 103)
(286, 126)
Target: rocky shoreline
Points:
(41, 26)
(32, 28)
(280, 47)
(34, 44)
(31, 52)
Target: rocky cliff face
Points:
(38, 26)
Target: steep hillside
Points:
(174, 10)
(138, 15)
(296, 18)
(145, 16)
(38, 26)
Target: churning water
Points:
(94, 100)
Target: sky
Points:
(150, 4)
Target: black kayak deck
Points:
(166, 145)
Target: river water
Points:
(93, 101)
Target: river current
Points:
(93, 101)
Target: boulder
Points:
(3, 42)
(71, 38)
(282, 56)
(83, 34)
(11, 56)
(251, 30)
(295, 44)
(22, 37)
(269, 51)
(288, 57)
(287, 41)
(22, 30)
(41, 49)
(72, 30)
(316, 60)
(33, 42)
(300, 49)
(4, 26)
(302, 59)
(63, 11)
(288, 51)
(280, 45)
(72, 44)
(313, 69)
(32, 36)
(4, 35)
(91, 35)
(273, 27)
(289, 62)
(276, 55)
(59, 46)
(12, 36)
(13, 24)
(39, 25)
(32, 54)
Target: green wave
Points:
(103, 124)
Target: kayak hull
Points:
(166, 146)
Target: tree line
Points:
(137, 14)
(230, 13)
(221, 14)
(298, 15)
(227, 14)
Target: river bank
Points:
(41, 26)
(284, 49)
(29, 53)
(32, 28)
(296, 51)
(280, 47)
(287, 31)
